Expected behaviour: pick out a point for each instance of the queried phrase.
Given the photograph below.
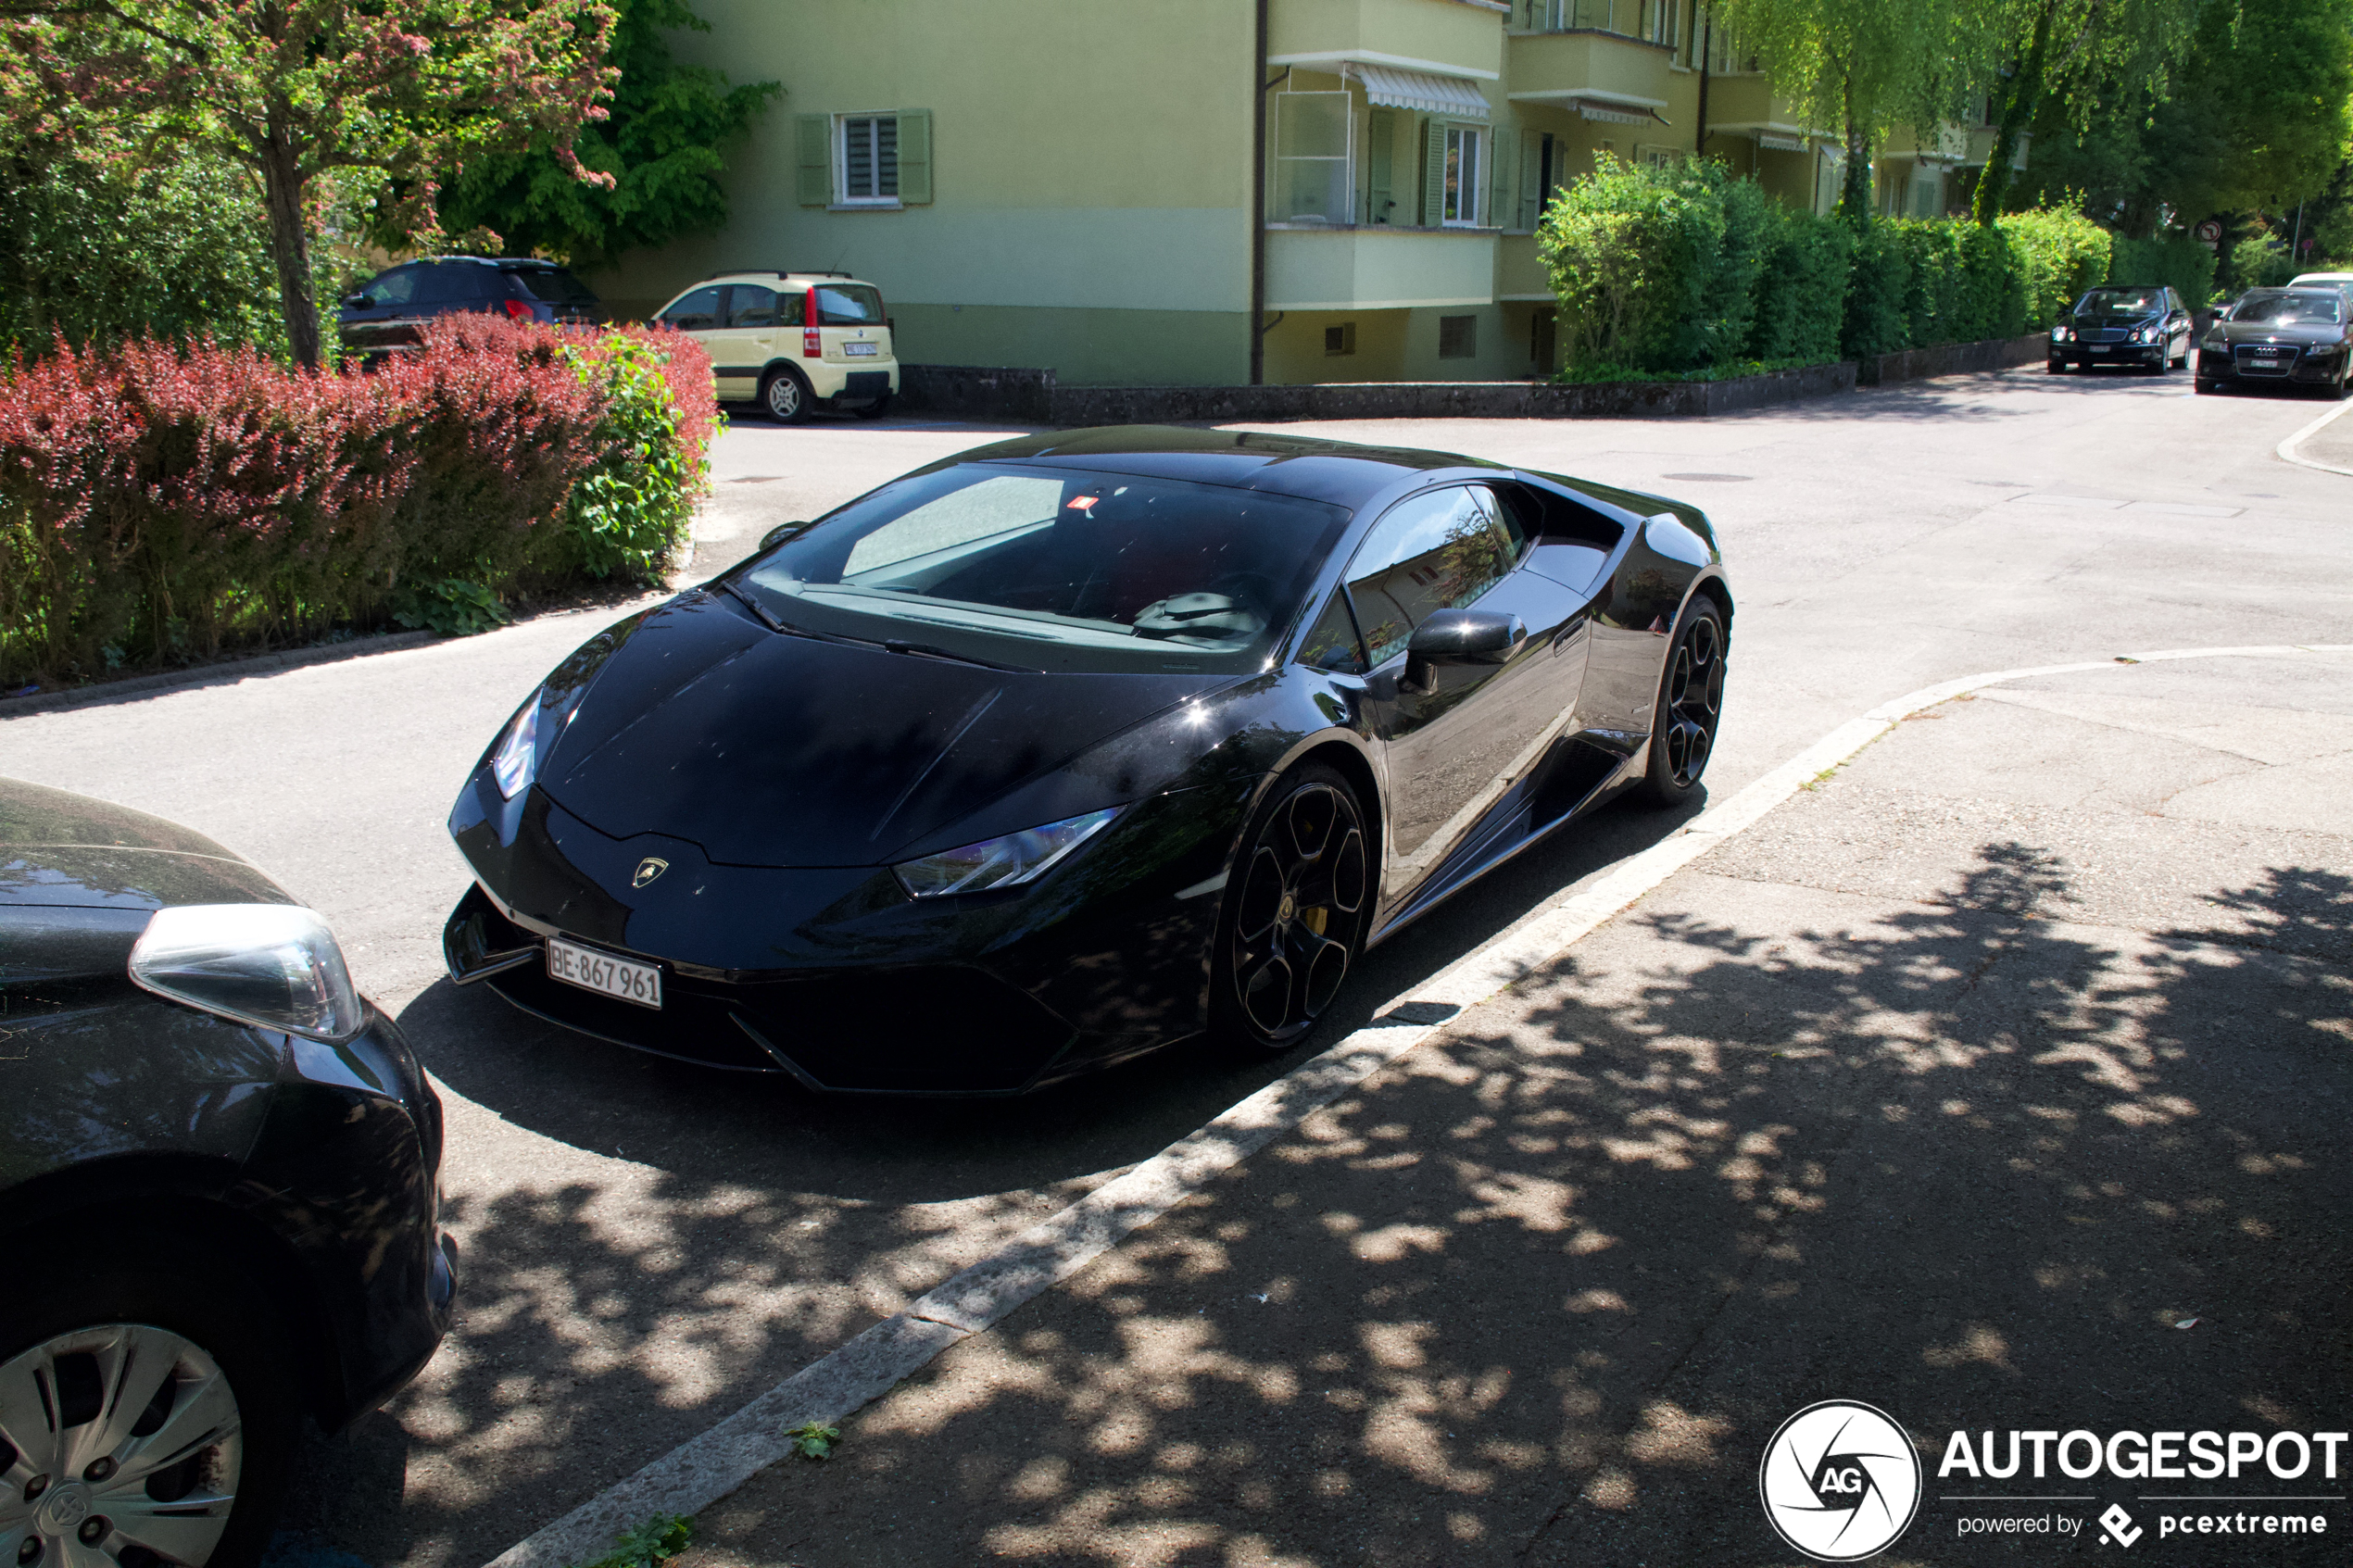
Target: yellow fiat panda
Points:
(792, 341)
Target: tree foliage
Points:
(297, 91)
(2256, 117)
(662, 146)
(2071, 53)
(1864, 66)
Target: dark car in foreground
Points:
(218, 1190)
(2280, 337)
(2144, 327)
(1070, 746)
(383, 314)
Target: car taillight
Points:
(812, 343)
(517, 309)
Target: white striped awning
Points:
(1609, 108)
(1612, 114)
(1391, 88)
(1771, 142)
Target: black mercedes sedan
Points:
(1070, 746)
(218, 1185)
(2280, 337)
(2144, 327)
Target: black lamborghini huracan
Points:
(1075, 745)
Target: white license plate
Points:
(601, 972)
(860, 350)
(2095, 348)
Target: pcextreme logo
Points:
(1840, 1481)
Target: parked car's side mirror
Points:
(355, 302)
(1460, 636)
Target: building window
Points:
(867, 155)
(1458, 337)
(1341, 339)
(1313, 178)
(1458, 208)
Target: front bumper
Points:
(347, 1168)
(2305, 367)
(833, 975)
(2093, 355)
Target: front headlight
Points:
(274, 965)
(516, 762)
(2060, 334)
(1001, 862)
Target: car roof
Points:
(1341, 472)
(2321, 278)
(761, 276)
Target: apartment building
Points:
(1208, 192)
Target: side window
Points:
(1440, 550)
(751, 307)
(1332, 644)
(699, 312)
(395, 287)
(453, 283)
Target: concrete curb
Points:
(2286, 449)
(706, 1468)
(228, 671)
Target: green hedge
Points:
(2184, 263)
(1685, 268)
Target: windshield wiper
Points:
(929, 651)
(769, 620)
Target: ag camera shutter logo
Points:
(1840, 1481)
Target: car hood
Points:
(2141, 318)
(2272, 331)
(61, 848)
(772, 749)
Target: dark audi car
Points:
(383, 314)
(1076, 745)
(2146, 328)
(217, 1185)
(2280, 337)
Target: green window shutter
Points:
(1499, 201)
(1531, 179)
(914, 156)
(1380, 137)
(1433, 171)
(816, 175)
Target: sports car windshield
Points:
(2293, 310)
(1050, 568)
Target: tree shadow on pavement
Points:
(1541, 1296)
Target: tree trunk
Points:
(282, 195)
(2018, 103)
(1855, 189)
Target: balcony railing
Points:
(1654, 21)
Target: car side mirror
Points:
(355, 302)
(1461, 636)
(779, 534)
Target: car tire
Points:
(1297, 901)
(2205, 386)
(874, 410)
(227, 1346)
(1690, 704)
(2054, 367)
(785, 397)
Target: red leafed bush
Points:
(161, 503)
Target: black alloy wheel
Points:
(1691, 703)
(1296, 908)
(783, 396)
(150, 1409)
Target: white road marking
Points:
(706, 1468)
(2286, 449)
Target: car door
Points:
(696, 315)
(745, 340)
(379, 312)
(1454, 751)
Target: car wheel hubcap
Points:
(1302, 888)
(126, 1443)
(1694, 701)
(784, 397)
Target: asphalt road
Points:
(649, 1244)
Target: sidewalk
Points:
(1952, 1086)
